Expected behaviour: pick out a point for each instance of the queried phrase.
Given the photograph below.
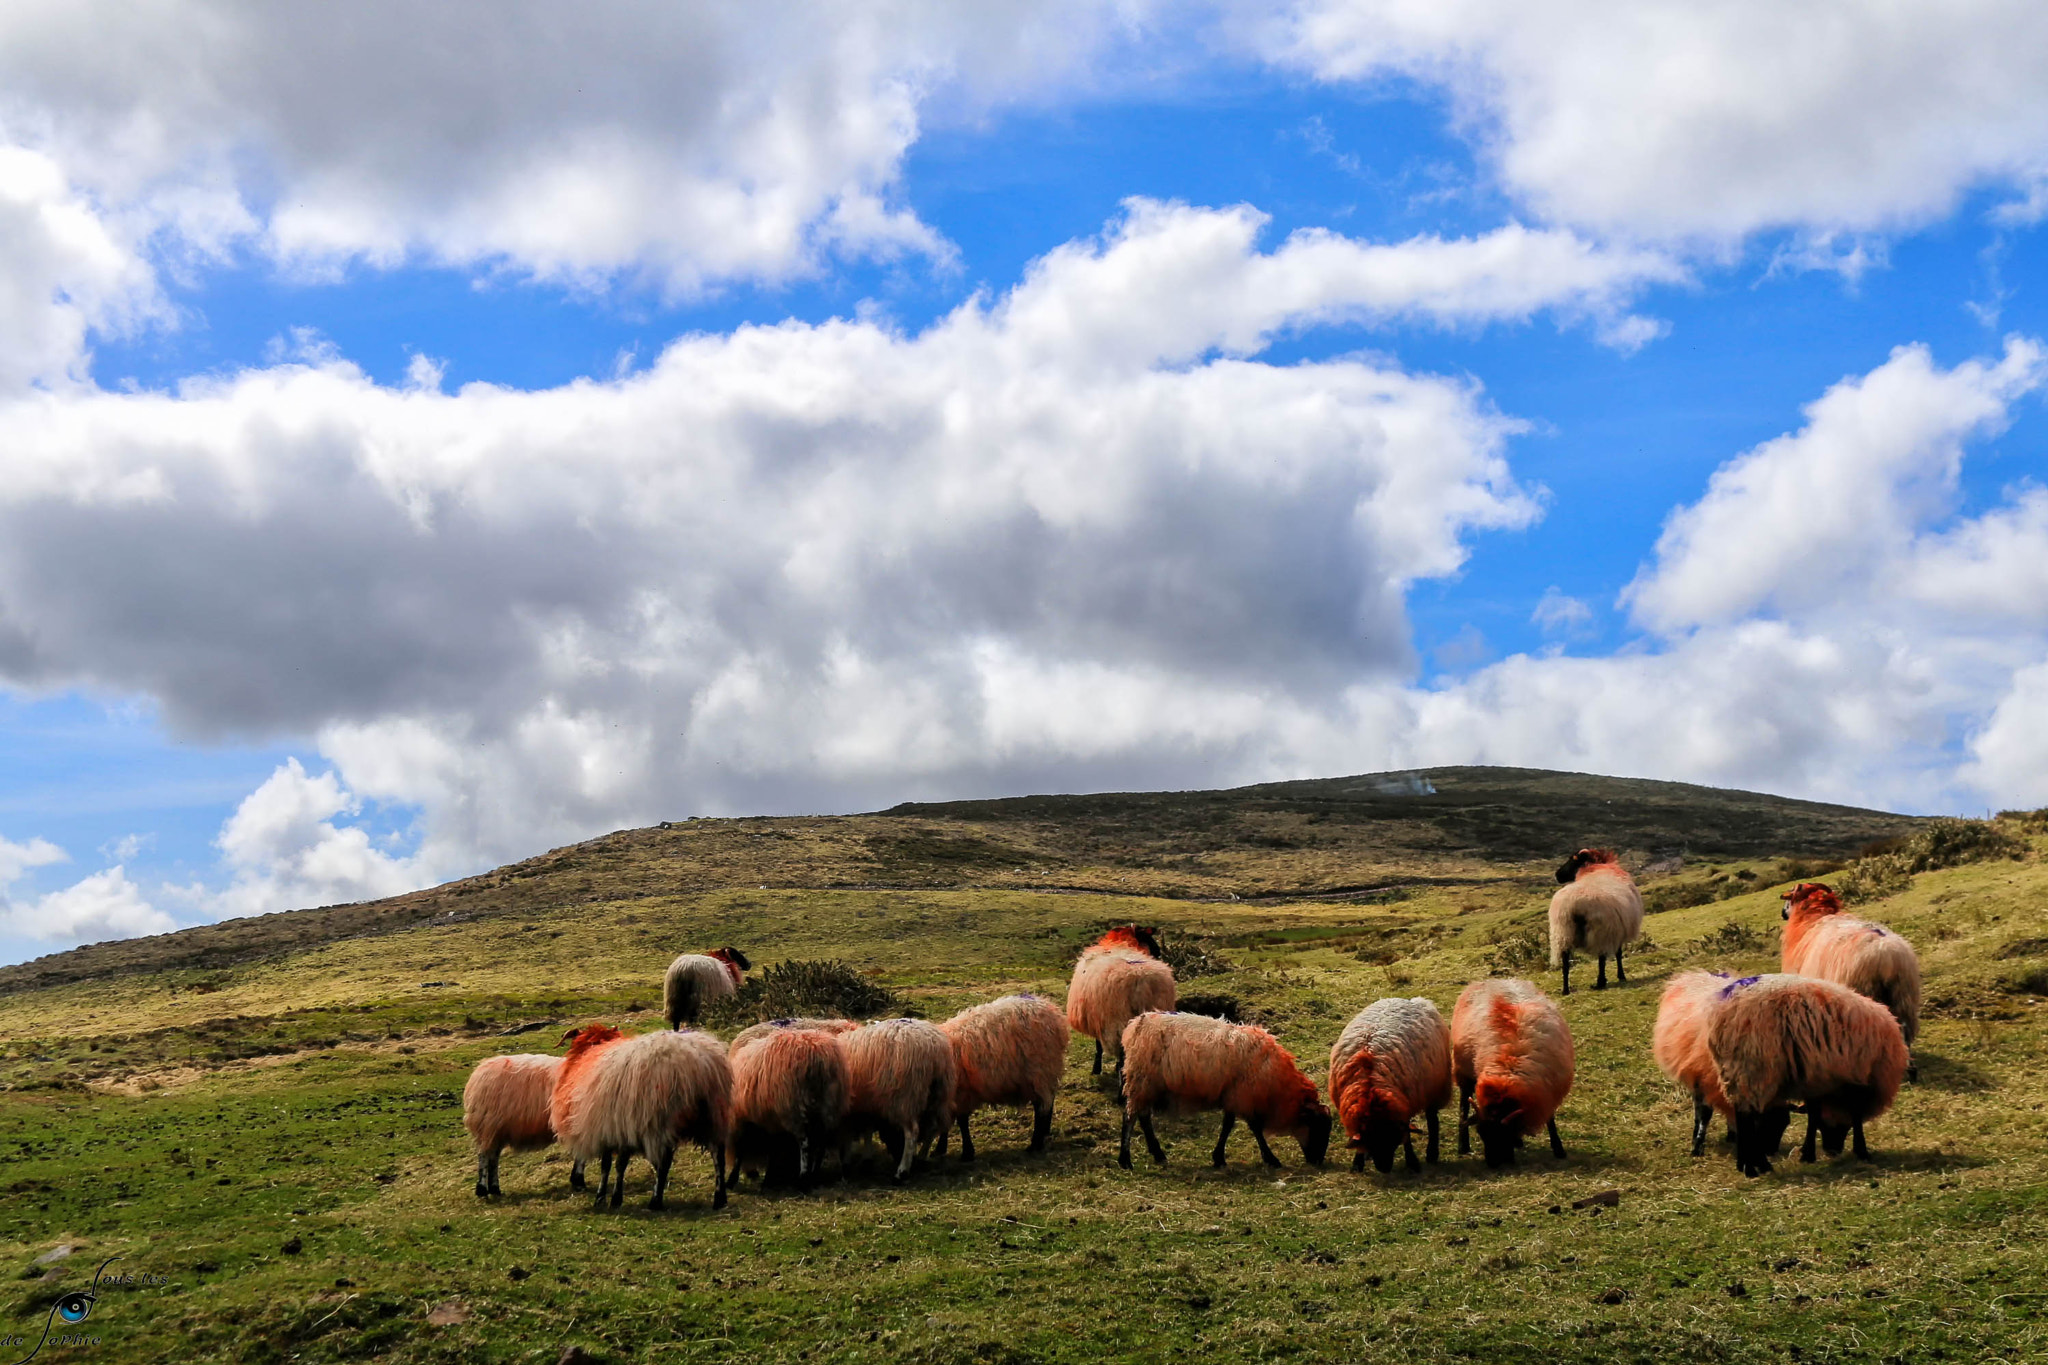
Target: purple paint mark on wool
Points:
(1735, 986)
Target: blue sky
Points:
(1064, 402)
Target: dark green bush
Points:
(1732, 937)
(790, 990)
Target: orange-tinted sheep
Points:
(1186, 1063)
(1118, 978)
(617, 1097)
(1867, 958)
(1513, 1058)
(1597, 910)
(789, 1087)
(505, 1107)
(902, 1077)
(1009, 1051)
(1392, 1062)
(1679, 1045)
(1782, 1040)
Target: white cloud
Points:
(2009, 754)
(64, 272)
(686, 143)
(793, 567)
(105, 905)
(1806, 520)
(1675, 119)
(285, 851)
(1558, 613)
(16, 859)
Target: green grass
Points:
(281, 1141)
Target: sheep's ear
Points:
(571, 1035)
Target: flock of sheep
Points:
(1828, 1037)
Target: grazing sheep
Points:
(902, 1076)
(1118, 978)
(1513, 1057)
(1785, 1039)
(1679, 1044)
(1597, 910)
(617, 1096)
(1392, 1061)
(694, 980)
(1868, 958)
(755, 1032)
(1186, 1063)
(505, 1105)
(1009, 1051)
(788, 1086)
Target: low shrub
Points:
(1515, 953)
(1216, 1005)
(1189, 956)
(1732, 937)
(788, 990)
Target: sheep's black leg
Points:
(1229, 1122)
(1912, 1066)
(1408, 1143)
(1750, 1159)
(483, 1174)
(1358, 1162)
(494, 1171)
(1041, 1125)
(718, 1179)
(1259, 1136)
(1151, 1139)
(1702, 1118)
(1806, 1152)
(1556, 1142)
(1430, 1155)
(619, 1186)
(661, 1179)
(576, 1177)
(1619, 975)
(1565, 960)
(1098, 1058)
(907, 1140)
(1464, 1123)
(1600, 981)
(1862, 1152)
(604, 1177)
(966, 1141)
(1123, 1156)
(943, 1141)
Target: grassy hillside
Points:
(277, 1134)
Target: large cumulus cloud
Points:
(793, 566)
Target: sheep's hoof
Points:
(718, 1200)
(1124, 1160)
(657, 1204)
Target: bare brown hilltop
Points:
(1301, 840)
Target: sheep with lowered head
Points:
(1512, 1056)
(789, 1088)
(1782, 1040)
(505, 1106)
(1009, 1051)
(1678, 1043)
(616, 1097)
(1186, 1063)
(1392, 1062)
(1597, 910)
(902, 1076)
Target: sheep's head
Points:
(1312, 1131)
(734, 956)
(1581, 860)
(1382, 1139)
(589, 1036)
(1144, 938)
(1810, 898)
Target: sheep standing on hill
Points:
(505, 1105)
(1679, 1044)
(1785, 1039)
(1009, 1051)
(1513, 1058)
(694, 980)
(1868, 958)
(902, 1076)
(789, 1087)
(1118, 978)
(1597, 910)
(1186, 1063)
(1392, 1061)
(617, 1096)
